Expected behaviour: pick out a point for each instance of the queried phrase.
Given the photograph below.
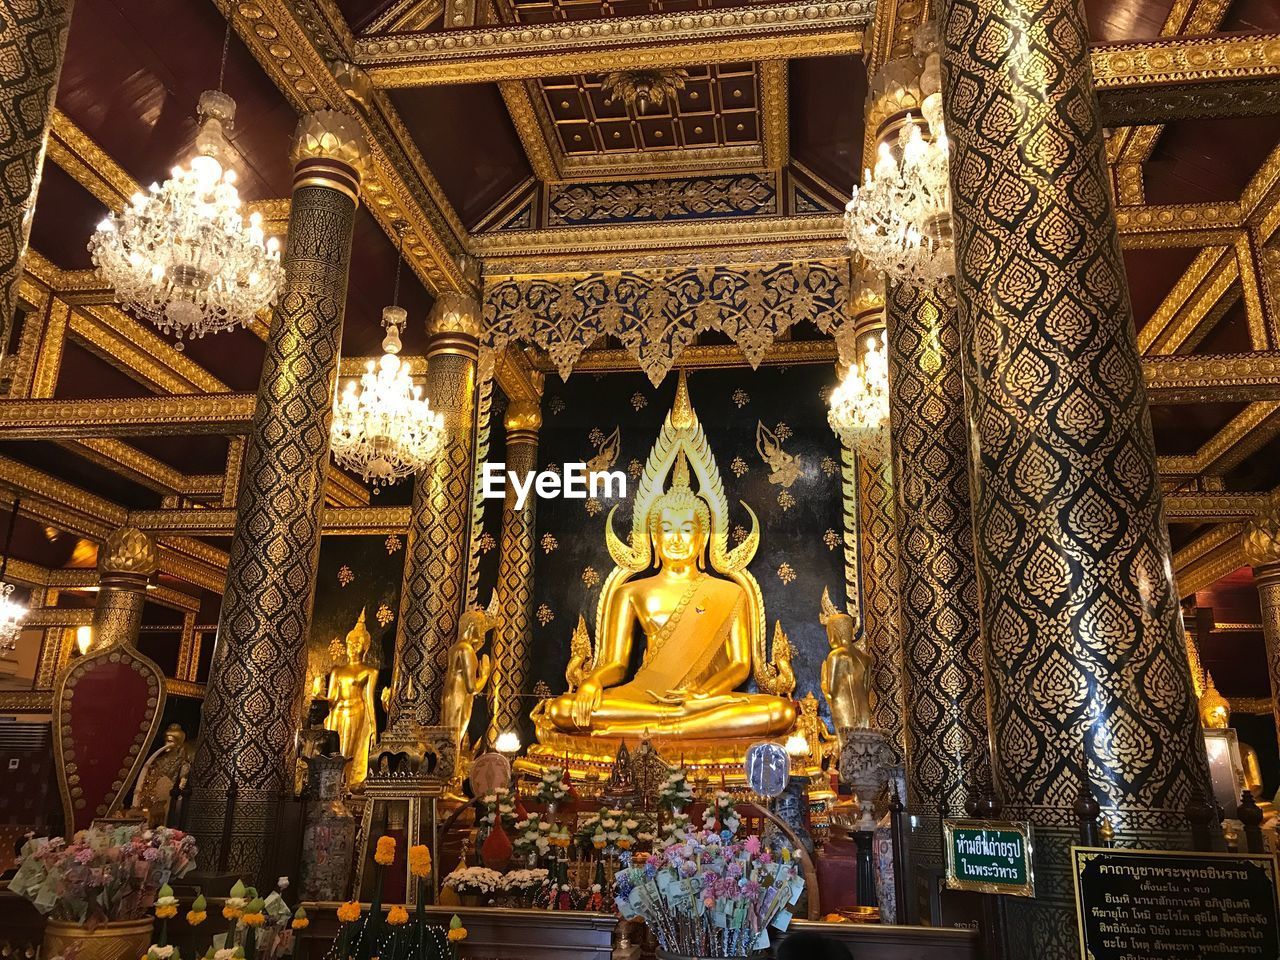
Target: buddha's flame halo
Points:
(681, 431)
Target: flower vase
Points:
(119, 940)
(469, 899)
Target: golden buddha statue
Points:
(1215, 714)
(351, 711)
(701, 613)
(846, 673)
(165, 769)
(466, 671)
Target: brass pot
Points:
(121, 940)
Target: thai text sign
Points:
(1167, 905)
(989, 856)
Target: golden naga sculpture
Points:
(466, 671)
(701, 613)
(351, 711)
(846, 673)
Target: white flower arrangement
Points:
(473, 880)
(522, 881)
(675, 793)
(721, 808)
(552, 788)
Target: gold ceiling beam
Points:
(774, 31)
(1200, 60)
(1194, 305)
(1213, 507)
(132, 464)
(197, 522)
(1243, 436)
(301, 45)
(126, 416)
(1210, 378)
(1209, 558)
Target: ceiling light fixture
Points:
(383, 428)
(180, 254)
(12, 613)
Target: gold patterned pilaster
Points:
(1262, 549)
(33, 36)
(253, 706)
(1087, 676)
(432, 593)
(948, 760)
(513, 640)
(126, 562)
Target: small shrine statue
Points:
(701, 612)
(166, 768)
(846, 673)
(352, 715)
(1215, 714)
(581, 658)
(466, 670)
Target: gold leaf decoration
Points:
(785, 573)
(345, 576)
(638, 401)
(831, 539)
(549, 542)
(393, 543)
(486, 542)
(634, 469)
(593, 506)
(384, 615)
(741, 398)
(829, 466)
(785, 500)
(590, 577)
(544, 614)
(738, 466)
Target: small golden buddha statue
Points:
(1215, 714)
(466, 670)
(351, 711)
(846, 673)
(168, 767)
(703, 630)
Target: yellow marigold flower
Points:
(253, 919)
(385, 852)
(196, 917)
(349, 911)
(299, 923)
(398, 916)
(420, 861)
(231, 913)
(165, 911)
(457, 933)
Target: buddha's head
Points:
(358, 641)
(174, 735)
(842, 627)
(679, 521)
(475, 623)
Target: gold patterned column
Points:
(125, 563)
(252, 709)
(948, 760)
(33, 36)
(513, 640)
(877, 546)
(1262, 549)
(432, 593)
(1087, 675)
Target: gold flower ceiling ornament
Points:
(641, 89)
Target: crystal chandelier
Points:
(12, 613)
(181, 254)
(859, 412)
(899, 220)
(383, 428)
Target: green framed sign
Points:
(989, 856)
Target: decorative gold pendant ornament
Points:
(641, 89)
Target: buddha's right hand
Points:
(585, 703)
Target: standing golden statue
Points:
(466, 671)
(165, 769)
(846, 673)
(351, 711)
(701, 613)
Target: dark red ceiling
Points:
(467, 139)
(1231, 333)
(1183, 428)
(66, 215)
(134, 71)
(1203, 161)
(826, 117)
(1152, 274)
